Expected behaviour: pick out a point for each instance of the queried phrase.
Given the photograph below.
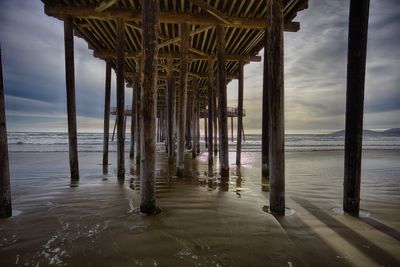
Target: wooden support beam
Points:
(105, 4)
(205, 132)
(265, 114)
(70, 86)
(125, 125)
(213, 11)
(177, 39)
(135, 87)
(109, 54)
(107, 97)
(356, 60)
(195, 104)
(189, 116)
(120, 99)
(215, 119)
(276, 103)
(222, 103)
(232, 129)
(182, 100)
(164, 17)
(171, 111)
(240, 115)
(291, 9)
(138, 109)
(115, 126)
(149, 113)
(210, 92)
(5, 186)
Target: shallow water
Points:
(96, 223)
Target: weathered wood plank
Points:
(210, 93)
(149, 112)
(194, 123)
(265, 114)
(138, 110)
(105, 4)
(135, 86)
(71, 106)
(240, 115)
(275, 80)
(182, 100)
(164, 17)
(222, 103)
(120, 99)
(107, 97)
(105, 54)
(5, 187)
(171, 112)
(212, 10)
(356, 60)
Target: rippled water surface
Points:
(96, 223)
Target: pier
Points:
(178, 58)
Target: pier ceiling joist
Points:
(244, 21)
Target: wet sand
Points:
(96, 223)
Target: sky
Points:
(315, 71)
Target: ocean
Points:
(93, 142)
(201, 223)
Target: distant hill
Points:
(366, 132)
(395, 131)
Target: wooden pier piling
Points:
(240, 115)
(356, 60)
(265, 114)
(232, 129)
(222, 102)
(120, 99)
(210, 93)
(215, 119)
(107, 97)
(182, 100)
(205, 133)
(195, 116)
(149, 107)
(135, 85)
(138, 111)
(71, 105)
(275, 80)
(5, 187)
(171, 111)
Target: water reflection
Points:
(74, 183)
(265, 183)
(105, 168)
(238, 182)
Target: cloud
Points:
(315, 70)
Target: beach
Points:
(96, 222)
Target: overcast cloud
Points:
(315, 71)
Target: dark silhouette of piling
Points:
(5, 187)
(171, 111)
(70, 86)
(120, 99)
(149, 107)
(276, 103)
(222, 102)
(210, 93)
(182, 100)
(240, 115)
(107, 96)
(356, 60)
